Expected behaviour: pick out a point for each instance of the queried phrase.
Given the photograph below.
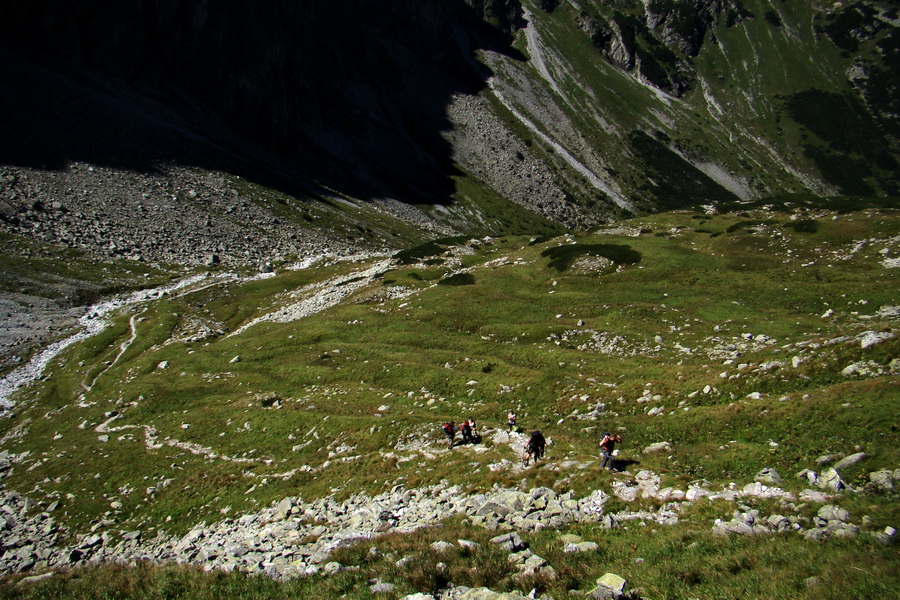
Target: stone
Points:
(332, 568)
(511, 542)
(871, 338)
(442, 546)
(580, 548)
(570, 538)
(831, 480)
(464, 593)
(830, 512)
(849, 461)
(657, 447)
(768, 476)
(881, 479)
(609, 587)
(380, 587)
(34, 579)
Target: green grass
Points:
(307, 391)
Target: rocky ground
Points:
(180, 216)
(295, 538)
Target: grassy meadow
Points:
(732, 329)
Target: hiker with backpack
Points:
(466, 430)
(511, 420)
(474, 430)
(450, 431)
(607, 449)
(534, 448)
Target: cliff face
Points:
(660, 41)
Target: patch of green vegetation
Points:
(803, 225)
(747, 224)
(458, 279)
(854, 150)
(675, 182)
(563, 257)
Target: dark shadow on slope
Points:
(855, 151)
(672, 182)
(302, 96)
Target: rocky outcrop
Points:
(658, 43)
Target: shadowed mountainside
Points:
(347, 95)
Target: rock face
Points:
(659, 44)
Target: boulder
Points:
(830, 479)
(464, 593)
(332, 568)
(849, 461)
(609, 587)
(380, 587)
(830, 512)
(580, 548)
(511, 542)
(442, 546)
(882, 479)
(768, 476)
(657, 447)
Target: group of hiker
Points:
(468, 429)
(536, 445)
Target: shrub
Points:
(458, 279)
(742, 224)
(803, 226)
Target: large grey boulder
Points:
(882, 479)
(830, 512)
(580, 547)
(657, 447)
(464, 593)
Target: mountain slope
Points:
(450, 116)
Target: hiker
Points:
(450, 430)
(511, 420)
(474, 429)
(466, 430)
(607, 448)
(535, 447)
